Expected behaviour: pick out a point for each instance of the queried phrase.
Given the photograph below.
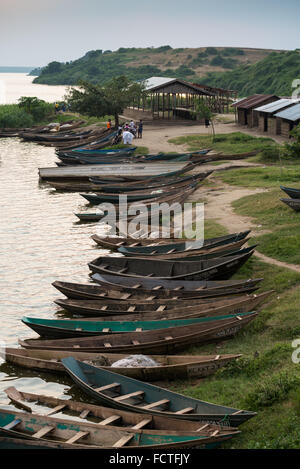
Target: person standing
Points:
(140, 129)
(109, 124)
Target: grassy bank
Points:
(265, 379)
(233, 143)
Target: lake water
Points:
(15, 85)
(40, 242)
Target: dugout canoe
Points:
(73, 434)
(171, 292)
(291, 192)
(150, 184)
(129, 394)
(213, 269)
(70, 328)
(108, 188)
(292, 203)
(155, 310)
(106, 416)
(159, 342)
(158, 206)
(174, 288)
(197, 255)
(144, 196)
(137, 171)
(163, 245)
(168, 366)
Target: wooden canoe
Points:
(175, 288)
(128, 420)
(150, 184)
(85, 186)
(69, 328)
(70, 434)
(115, 311)
(158, 206)
(291, 192)
(292, 203)
(84, 172)
(169, 367)
(197, 255)
(146, 197)
(159, 342)
(179, 291)
(163, 245)
(129, 394)
(214, 269)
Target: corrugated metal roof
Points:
(290, 114)
(277, 105)
(153, 82)
(255, 100)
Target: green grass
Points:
(265, 379)
(264, 177)
(268, 212)
(232, 143)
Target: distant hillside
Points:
(189, 64)
(15, 69)
(274, 74)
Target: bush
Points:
(271, 390)
(11, 116)
(37, 108)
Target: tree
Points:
(204, 112)
(110, 99)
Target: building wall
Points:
(241, 117)
(272, 127)
(261, 123)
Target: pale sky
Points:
(35, 32)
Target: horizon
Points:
(65, 30)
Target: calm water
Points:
(15, 85)
(40, 242)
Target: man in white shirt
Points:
(127, 137)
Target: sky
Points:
(36, 32)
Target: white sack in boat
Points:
(135, 361)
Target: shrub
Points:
(11, 116)
(271, 390)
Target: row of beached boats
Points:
(120, 332)
(294, 198)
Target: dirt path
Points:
(218, 207)
(156, 136)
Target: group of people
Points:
(60, 107)
(129, 131)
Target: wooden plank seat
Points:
(123, 441)
(84, 414)
(56, 409)
(187, 410)
(108, 387)
(110, 420)
(163, 402)
(77, 437)
(43, 432)
(141, 424)
(124, 397)
(12, 424)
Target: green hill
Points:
(99, 66)
(274, 74)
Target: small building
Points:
(288, 119)
(265, 115)
(245, 107)
(173, 99)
